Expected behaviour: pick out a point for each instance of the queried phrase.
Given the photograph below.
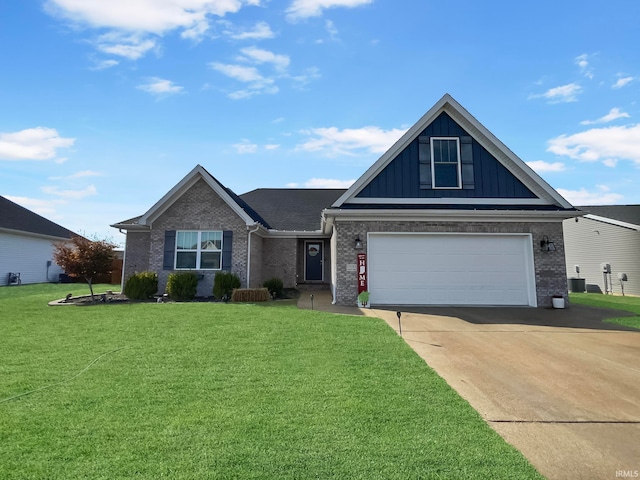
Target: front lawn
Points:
(626, 303)
(205, 390)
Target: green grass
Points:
(221, 391)
(626, 303)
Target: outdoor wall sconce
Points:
(547, 245)
(358, 245)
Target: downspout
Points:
(124, 259)
(249, 251)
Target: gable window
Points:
(445, 162)
(198, 250)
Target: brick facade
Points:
(136, 253)
(550, 275)
(199, 208)
(279, 260)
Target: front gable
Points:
(410, 173)
(449, 159)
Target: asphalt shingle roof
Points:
(622, 213)
(297, 209)
(15, 217)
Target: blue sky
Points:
(105, 105)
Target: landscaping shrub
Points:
(275, 287)
(182, 286)
(250, 295)
(223, 285)
(141, 286)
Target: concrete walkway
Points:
(559, 385)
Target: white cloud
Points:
(258, 55)
(131, 46)
(300, 9)
(39, 143)
(322, 183)
(309, 74)
(601, 196)
(561, 94)
(104, 64)
(583, 62)
(622, 82)
(81, 174)
(160, 87)
(71, 194)
(600, 144)
(271, 146)
(142, 19)
(245, 147)
(541, 166)
(613, 114)
(151, 16)
(349, 141)
(261, 31)
(331, 29)
(257, 84)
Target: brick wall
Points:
(199, 208)
(137, 253)
(279, 260)
(549, 266)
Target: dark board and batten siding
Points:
(401, 178)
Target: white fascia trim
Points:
(611, 221)
(449, 215)
(296, 234)
(187, 182)
(451, 201)
(131, 227)
(480, 133)
(23, 233)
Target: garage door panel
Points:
(450, 269)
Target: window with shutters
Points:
(445, 162)
(198, 250)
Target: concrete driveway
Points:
(559, 385)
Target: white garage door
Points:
(450, 269)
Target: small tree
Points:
(84, 258)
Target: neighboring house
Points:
(607, 234)
(26, 244)
(447, 216)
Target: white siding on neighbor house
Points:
(589, 243)
(28, 256)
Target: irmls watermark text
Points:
(627, 474)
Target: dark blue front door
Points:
(313, 261)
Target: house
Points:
(447, 216)
(26, 244)
(605, 235)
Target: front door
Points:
(313, 260)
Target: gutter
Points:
(426, 215)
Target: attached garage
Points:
(451, 269)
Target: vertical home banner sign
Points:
(362, 272)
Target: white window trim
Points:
(198, 250)
(433, 164)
